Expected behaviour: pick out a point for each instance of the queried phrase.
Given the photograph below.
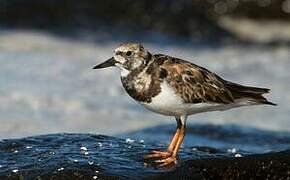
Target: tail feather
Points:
(239, 91)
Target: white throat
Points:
(124, 72)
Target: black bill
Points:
(108, 63)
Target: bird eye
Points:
(128, 53)
(118, 53)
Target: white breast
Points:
(168, 102)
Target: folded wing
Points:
(197, 84)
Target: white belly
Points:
(167, 102)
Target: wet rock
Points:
(262, 166)
(209, 152)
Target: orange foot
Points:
(157, 154)
(161, 159)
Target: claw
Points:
(158, 154)
(168, 162)
(160, 159)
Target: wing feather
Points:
(195, 84)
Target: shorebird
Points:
(176, 87)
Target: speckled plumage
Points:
(175, 87)
(194, 84)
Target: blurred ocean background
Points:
(48, 49)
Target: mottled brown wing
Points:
(194, 83)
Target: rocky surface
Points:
(88, 156)
(264, 166)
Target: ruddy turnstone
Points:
(175, 87)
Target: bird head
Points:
(127, 57)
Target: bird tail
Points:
(239, 91)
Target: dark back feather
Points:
(240, 91)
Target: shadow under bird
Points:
(175, 87)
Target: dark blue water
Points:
(105, 156)
(226, 137)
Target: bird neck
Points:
(142, 83)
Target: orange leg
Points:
(170, 149)
(173, 141)
(172, 160)
(169, 157)
(179, 142)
